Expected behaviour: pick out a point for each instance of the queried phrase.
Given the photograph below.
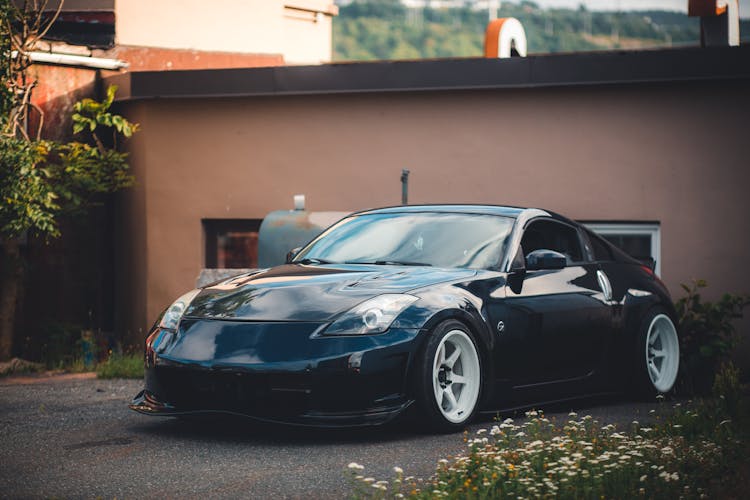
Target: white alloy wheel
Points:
(456, 376)
(662, 353)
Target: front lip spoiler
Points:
(147, 403)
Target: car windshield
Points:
(474, 241)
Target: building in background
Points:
(93, 37)
(647, 147)
(297, 30)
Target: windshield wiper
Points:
(390, 263)
(313, 261)
(400, 263)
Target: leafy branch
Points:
(90, 115)
(42, 181)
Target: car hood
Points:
(297, 292)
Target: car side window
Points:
(552, 235)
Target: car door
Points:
(556, 321)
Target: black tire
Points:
(649, 381)
(448, 335)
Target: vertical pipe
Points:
(405, 186)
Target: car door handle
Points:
(604, 285)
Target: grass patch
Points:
(18, 366)
(690, 450)
(121, 366)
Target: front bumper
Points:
(279, 372)
(147, 403)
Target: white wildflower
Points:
(355, 466)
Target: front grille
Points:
(257, 394)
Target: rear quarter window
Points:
(600, 248)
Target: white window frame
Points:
(632, 229)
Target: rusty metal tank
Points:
(283, 230)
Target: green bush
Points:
(61, 348)
(121, 366)
(707, 334)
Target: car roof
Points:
(505, 211)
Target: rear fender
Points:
(636, 305)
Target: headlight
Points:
(172, 316)
(371, 316)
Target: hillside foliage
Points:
(386, 29)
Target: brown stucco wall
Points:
(131, 258)
(675, 153)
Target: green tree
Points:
(42, 181)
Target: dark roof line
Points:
(554, 70)
(469, 208)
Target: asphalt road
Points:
(73, 437)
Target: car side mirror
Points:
(545, 259)
(292, 254)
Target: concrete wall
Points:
(246, 26)
(308, 34)
(672, 153)
(222, 25)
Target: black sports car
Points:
(451, 309)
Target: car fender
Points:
(442, 304)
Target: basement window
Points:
(640, 240)
(231, 243)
